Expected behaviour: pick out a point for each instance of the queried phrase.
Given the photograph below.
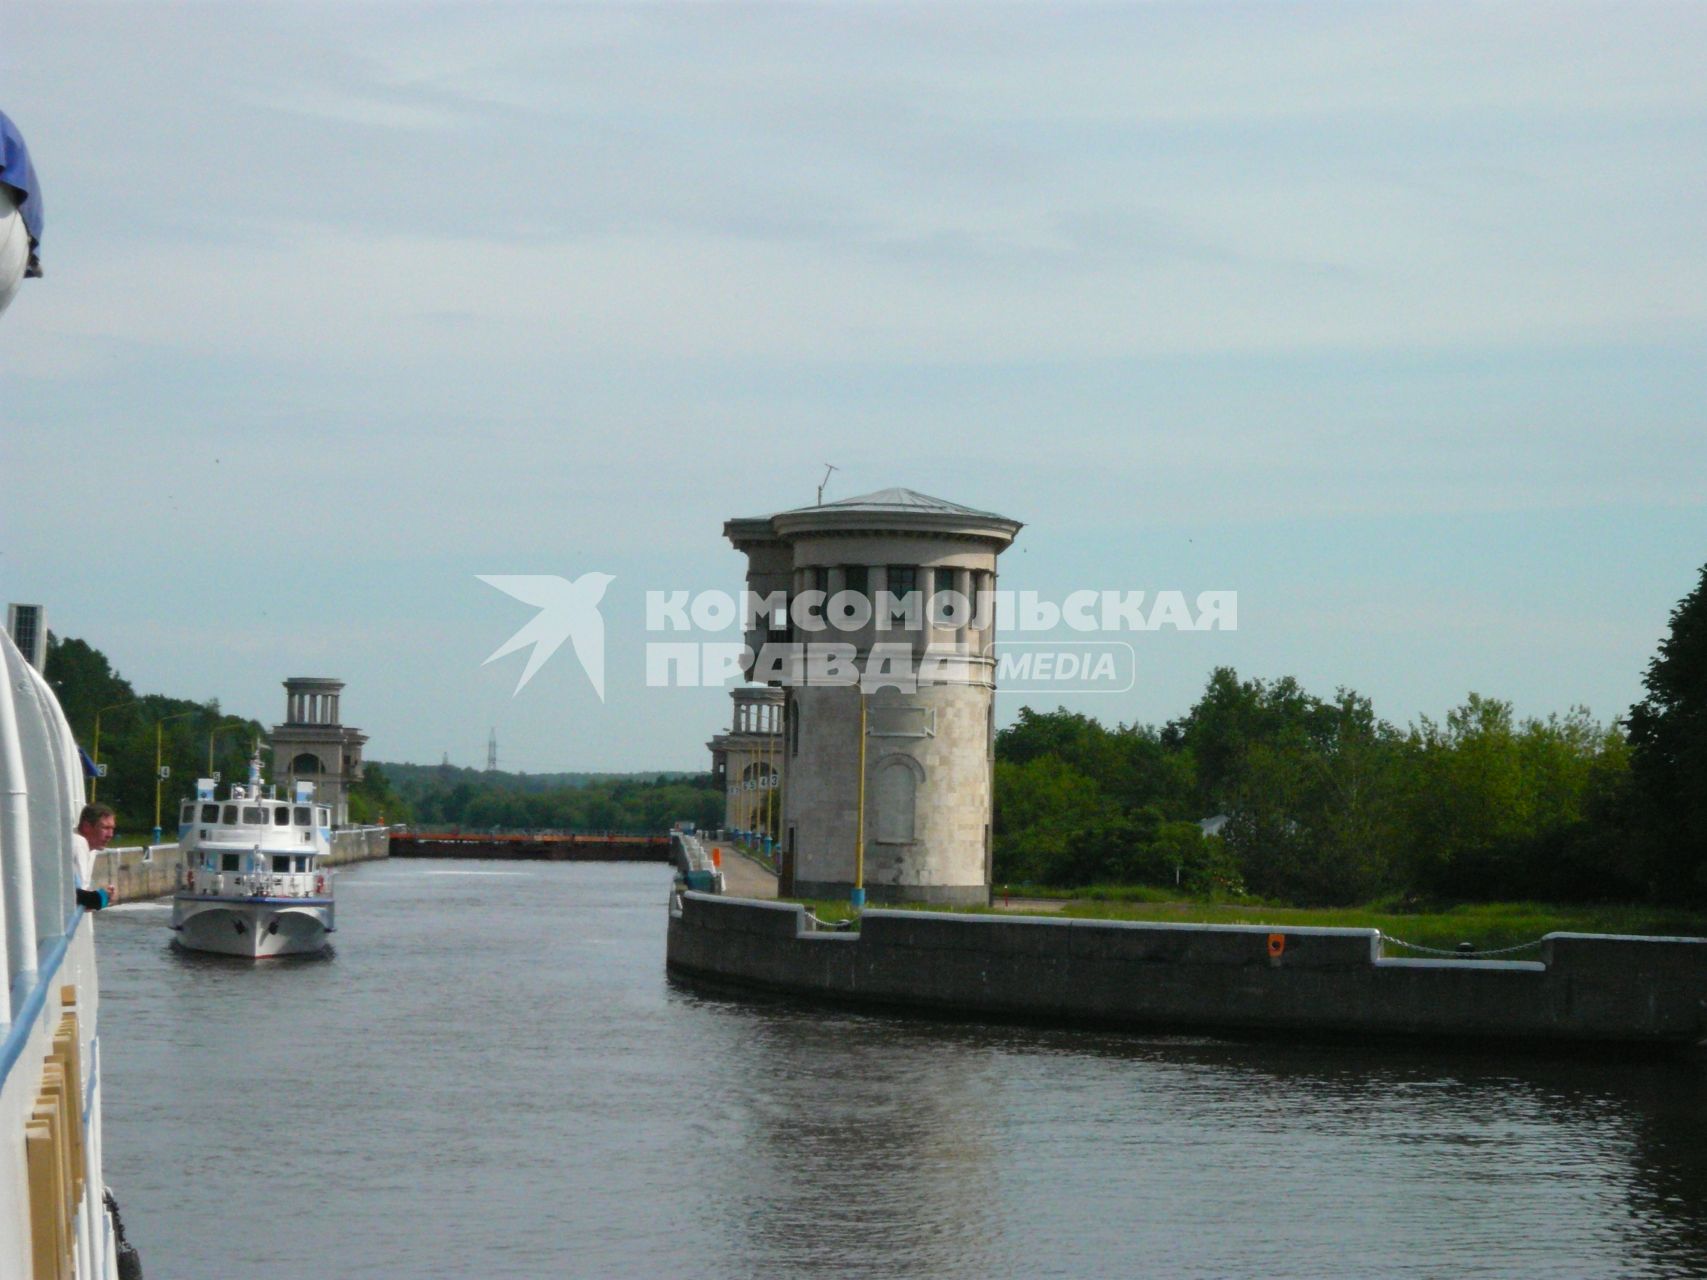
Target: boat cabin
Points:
(253, 842)
(242, 816)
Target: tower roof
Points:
(898, 499)
(894, 510)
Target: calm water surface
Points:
(492, 1077)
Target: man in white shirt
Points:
(95, 826)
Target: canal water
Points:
(493, 1077)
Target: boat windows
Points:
(228, 861)
(231, 815)
(325, 816)
(281, 862)
(281, 816)
(302, 864)
(210, 813)
(252, 815)
(303, 817)
(187, 814)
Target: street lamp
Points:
(857, 898)
(214, 733)
(95, 782)
(159, 769)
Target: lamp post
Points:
(214, 733)
(95, 782)
(159, 774)
(779, 761)
(770, 784)
(858, 896)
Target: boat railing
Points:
(257, 884)
(41, 792)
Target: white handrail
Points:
(17, 883)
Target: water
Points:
(493, 1077)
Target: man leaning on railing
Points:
(95, 826)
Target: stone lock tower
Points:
(748, 761)
(312, 745)
(928, 748)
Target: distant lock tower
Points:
(880, 638)
(313, 745)
(747, 762)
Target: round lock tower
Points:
(881, 633)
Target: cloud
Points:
(447, 288)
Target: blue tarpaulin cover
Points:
(17, 172)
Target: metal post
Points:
(770, 778)
(95, 782)
(782, 755)
(157, 778)
(858, 895)
(159, 739)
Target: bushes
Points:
(1325, 803)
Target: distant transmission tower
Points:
(492, 751)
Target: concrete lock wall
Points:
(927, 840)
(1221, 977)
(137, 873)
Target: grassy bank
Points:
(1485, 925)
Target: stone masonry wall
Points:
(1216, 977)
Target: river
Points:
(493, 1077)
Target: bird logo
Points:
(567, 611)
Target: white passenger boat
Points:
(257, 877)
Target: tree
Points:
(84, 681)
(1231, 721)
(1043, 810)
(1668, 740)
(373, 798)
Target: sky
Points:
(1390, 318)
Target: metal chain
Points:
(1468, 955)
(831, 926)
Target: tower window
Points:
(896, 796)
(903, 590)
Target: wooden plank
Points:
(50, 1242)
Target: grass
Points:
(1486, 926)
(1097, 893)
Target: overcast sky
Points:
(1389, 318)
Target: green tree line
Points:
(445, 796)
(1317, 800)
(132, 725)
(87, 686)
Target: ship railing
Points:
(260, 884)
(41, 790)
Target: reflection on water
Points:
(493, 1076)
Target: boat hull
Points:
(255, 928)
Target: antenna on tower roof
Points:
(828, 467)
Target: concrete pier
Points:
(1585, 987)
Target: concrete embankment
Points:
(139, 872)
(533, 848)
(1211, 977)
